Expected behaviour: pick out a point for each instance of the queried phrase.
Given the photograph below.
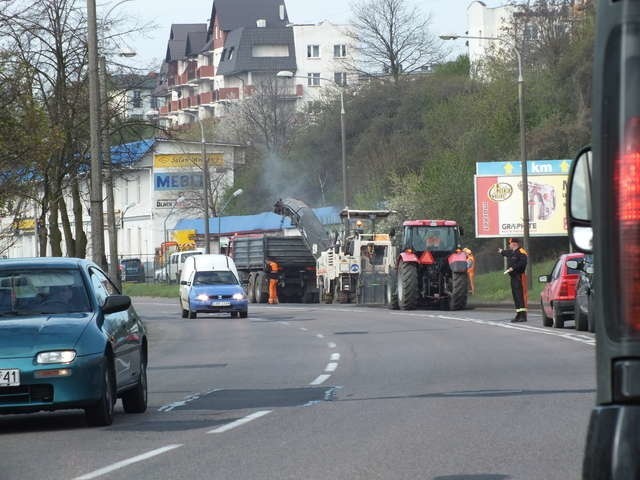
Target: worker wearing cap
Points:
(516, 266)
(273, 270)
(471, 269)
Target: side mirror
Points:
(544, 278)
(579, 202)
(392, 232)
(184, 282)
(461, 231)
(116, 303)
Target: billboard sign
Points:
(498, 198)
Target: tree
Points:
(391, 37)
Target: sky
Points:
(448, 16)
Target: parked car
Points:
(132, 270)
(209, 284)
(558, 296)
(584, 294)
(68, 340)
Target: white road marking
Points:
(187, 399)
(283, 322)
(335, 357)
(242, 421)
(331, 345)
(331, 367)
(304, 329)
(319, 335)
(124, 463)
(320, 380)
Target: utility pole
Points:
(97, 228)
(112, 227)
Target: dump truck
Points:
(297, 282)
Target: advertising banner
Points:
(178, 181)
(498, 200)
(186, 160)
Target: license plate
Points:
(10, 378)
(221, 304)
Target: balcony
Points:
(229, 94)
(206, 98)
(206, 71)
(175, 106)
(164, 110)
(194, 102)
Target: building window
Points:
(154, 103)
(230, 54)
(313, 51)
(137, 99)
(340, 78)
(339, 51)
(313, 79)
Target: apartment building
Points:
(246, 43)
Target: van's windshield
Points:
(215, 278)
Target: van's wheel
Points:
(191, 313)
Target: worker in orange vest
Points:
(273, 270)
(471, 269)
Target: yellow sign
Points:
(26, 224)
(186, 160)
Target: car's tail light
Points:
(567, 288)
(626, 187)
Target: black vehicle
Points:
(584, 293)
(132, 270)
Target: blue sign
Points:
(534, 167)
(178, 181)
(355, 268)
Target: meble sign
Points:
(178, 181)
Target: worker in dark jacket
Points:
(516, 266)
(273, 271)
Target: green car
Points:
(68, 340)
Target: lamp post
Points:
(345, 194)
(523, 144)
(233, 195)
(205, 180)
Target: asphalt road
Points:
(327, 391)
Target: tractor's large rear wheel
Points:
(408, 291)
(459, 291)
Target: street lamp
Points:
(289, 74)
(205, 180)
(233, 195)
(523, 144)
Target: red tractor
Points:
(430, 269)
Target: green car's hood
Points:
(26, 336)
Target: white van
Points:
(209, 262)
(176, 261)
(210, 284)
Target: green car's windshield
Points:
(27, 292)
(215, 278)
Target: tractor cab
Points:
(441, 237)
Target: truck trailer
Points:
(297, 276)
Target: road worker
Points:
(471, 269)
(273, 271)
